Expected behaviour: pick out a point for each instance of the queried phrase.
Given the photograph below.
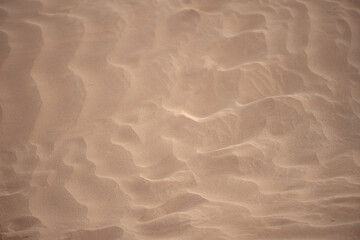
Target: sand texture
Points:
(180, 119)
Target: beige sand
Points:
(180, 119)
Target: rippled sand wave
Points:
(180, 119)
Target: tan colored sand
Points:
(180, 119)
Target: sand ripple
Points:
(184, 119)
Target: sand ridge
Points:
(184, 119)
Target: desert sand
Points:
(180, 119)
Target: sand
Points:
(180, 119)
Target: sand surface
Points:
(180, 119)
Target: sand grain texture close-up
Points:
(180, 119)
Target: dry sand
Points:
(180, 119)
